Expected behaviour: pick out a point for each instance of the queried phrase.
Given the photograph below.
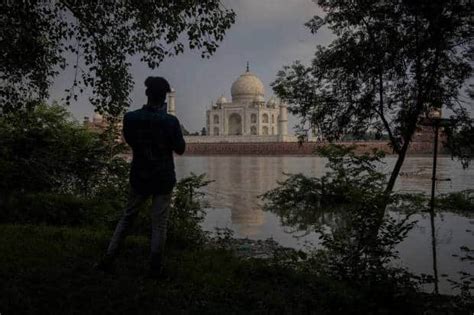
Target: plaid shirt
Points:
(153, 135)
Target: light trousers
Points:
(159, 224)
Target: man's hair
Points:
(157, 88)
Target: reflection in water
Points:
(237, 184)
(239, 180)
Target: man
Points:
(153, 135)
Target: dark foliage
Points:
(342, 206)
(392, 63)
(58, 209)
(460, 133)
(38, 39)
(461, 202)
(309, 202)
(42, 150)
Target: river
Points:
(238, 181)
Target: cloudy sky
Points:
(267, 33)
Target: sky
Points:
(267, 33)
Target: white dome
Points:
(247, 87)
(221, 100)
(259, 99)
(272, 102)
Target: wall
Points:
(239, 139)
(292, 148)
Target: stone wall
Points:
(294, 148)
(239, 139)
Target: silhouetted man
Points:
(153, 135)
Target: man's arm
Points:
(178, 143)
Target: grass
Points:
(48, 270)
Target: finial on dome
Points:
(248, 67)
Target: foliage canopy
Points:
(391, 64)
(38, 38)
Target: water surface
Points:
(239, 180)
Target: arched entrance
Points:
(235, 125)
(253, 131)
(253, 118)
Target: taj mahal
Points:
(248, 117)
(248, 114)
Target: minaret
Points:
(86, 121)
(283, 121)
(312, 134)
(172, 102)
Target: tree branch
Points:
(395, 144)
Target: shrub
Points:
(462, 201)
(58, 209)
(43, 150)
(346, 207)
(311, 202)
(186, 213)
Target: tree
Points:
(38, 37)
(392, 62)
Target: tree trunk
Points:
(397, 167)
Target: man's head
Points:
(156, 90)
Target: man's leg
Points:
(160, 213)
(129, 214)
